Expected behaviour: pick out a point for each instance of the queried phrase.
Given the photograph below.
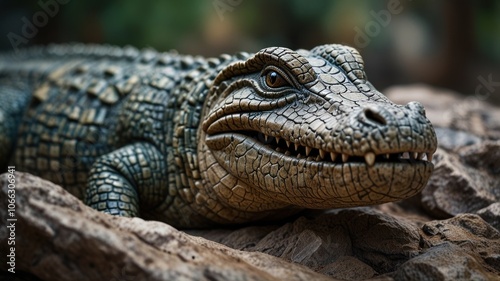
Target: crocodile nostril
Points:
(374, 116)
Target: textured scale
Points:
(193, 141)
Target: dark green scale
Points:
(119, 115)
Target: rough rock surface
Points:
(59, 238)
(364, 243)
(449, 232)
(467, 181)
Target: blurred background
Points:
(453, 44)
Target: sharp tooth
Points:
(387, 156)
(278, 149)
(333, 155)
(345, 157)
(265, 138)
(287, 143)
(406, 155)
(308, 150)
(277, 139)
(321, 154)
(370, 158)
(287, 153)
(414, 155)
(299, 156)
(420, 156)
(296, 147)
(429, 156)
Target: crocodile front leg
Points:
(118, 181)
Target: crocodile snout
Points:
(387, 129)
(382, 115)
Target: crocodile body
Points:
(195, 142)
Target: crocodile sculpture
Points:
(195, 142)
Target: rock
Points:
(471, 233)
(362, 243)
(306, 243)
(443, 262)
(59, 238)
(244, 238)
(467, 181)
(491, 214)
(348, 268)
(382, 241)
(364, 234)
(460, 248)
(483, 156)
(450, 139)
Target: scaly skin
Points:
(195, 142)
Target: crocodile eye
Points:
(275, 80)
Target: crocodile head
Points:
(306, 129)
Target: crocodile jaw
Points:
(335, 159)
(315, 184)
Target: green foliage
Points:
(154, 23)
